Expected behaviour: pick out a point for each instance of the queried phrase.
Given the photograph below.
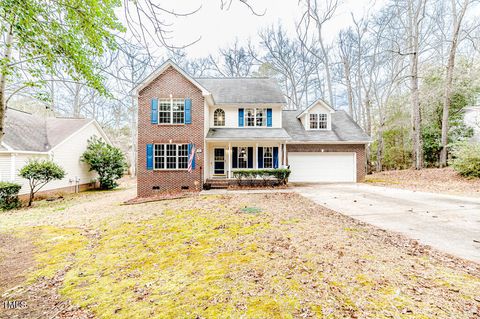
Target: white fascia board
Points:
(319, 101)
(160, 70)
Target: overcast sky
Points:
(218, 28)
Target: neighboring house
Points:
(237, 123)
(63, 140)
(472, 119)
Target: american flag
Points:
(191, 158)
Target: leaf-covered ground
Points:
(228, 256)
(436, 180)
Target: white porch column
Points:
(229, 164)
(255, 155)
(280, 155)
(285, 154)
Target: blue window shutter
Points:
(240, 117)
(234, 157)
(269, 117)
(275, 157)
(250, 157)
(188, 111)
(154, 113)
(260, 157)
(149, 157)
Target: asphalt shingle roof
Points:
(248, 133)
(243, 90)
(344, 129)
(29, 132)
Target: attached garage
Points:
(319, 167)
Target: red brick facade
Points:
(359, 149)
(174, 83)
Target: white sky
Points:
(218, 28)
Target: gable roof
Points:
(344, 129)
(243, 90)
(29, 132)
(319, 101)
(162, 68)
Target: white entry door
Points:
(322, 167)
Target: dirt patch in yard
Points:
(436, 180)
(16, 257)
(20, 298)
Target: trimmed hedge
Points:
(9, 195)
(280, 174)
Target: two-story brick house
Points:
(237, 123)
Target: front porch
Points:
(223, 158)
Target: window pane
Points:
(164, 105)
(219, 117)
(171, 156)
(182, 156)
(164, 117)
(322, 121)
(314, 121)
(250, 117)
(178, 105)
(178, 117)
(268, 157)
(159, 156)
(260, 120)
(242, 157)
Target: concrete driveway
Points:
(448, 223)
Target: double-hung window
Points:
(318, 121)
(171, 111)
(170, 156)
(242, 157)
(256, 117)
(268, 157)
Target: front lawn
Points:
(229, 256)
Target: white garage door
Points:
(322, 167)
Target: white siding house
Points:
(29, 136)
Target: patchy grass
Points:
(436, 180)
(240, 256)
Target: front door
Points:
(219, 161)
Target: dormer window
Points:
(219, 117)
(318, 121)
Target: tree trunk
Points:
(414, 33)
(457, 22)
(380, 148)
(3, 80)
(30, 199)
(416, 114)
(346, 66)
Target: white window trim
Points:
(165, 158)
(255, 116)
(318, 122)
(224, 118)
(171, 111)
(271, 157)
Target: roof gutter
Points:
(24, 152)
